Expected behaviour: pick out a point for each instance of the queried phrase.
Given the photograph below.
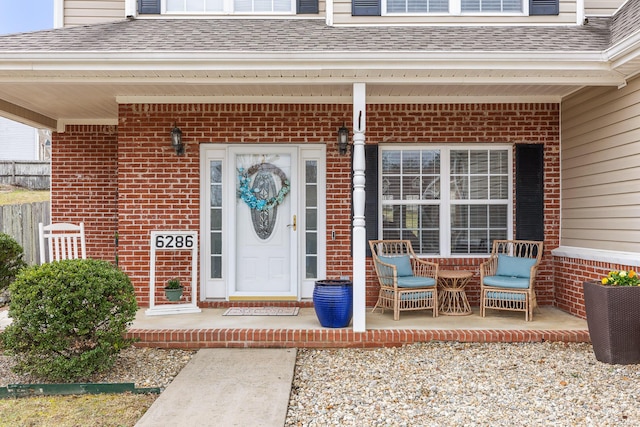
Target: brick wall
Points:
(84, 185)
(158, 190)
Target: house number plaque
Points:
(168, 241)
(174, 240)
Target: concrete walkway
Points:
(227, 387)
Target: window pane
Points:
(439, 6)
(175, 6)
(282, 6)
(195, 5)
(411, 162)
(478, 188)
(391, 188)
(478, 216)
(312, 219)
(216, 243)
(216, 195)
(431, 189)
(431, 162)
(242, 5)
(499, 187)
(390, 162)
(478, 162)
(498, 216)
(459, 241)
(311, 267)
(312, 195)
(216, 267)
(216, 172)
(262, 5)
(312, 243)
(216, 219)
(499, 162)
(214, 5)
(459, 188)
(311, 172)
(410, 187)
(478, 243)
(459, 216)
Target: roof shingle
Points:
(308, 35)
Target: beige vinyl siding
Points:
(600, 169)
(92, 12)
(601, 7)
(342, 15)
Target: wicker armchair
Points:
(508, 277)
(406, 281)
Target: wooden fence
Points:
(34, 175)
(21, 223)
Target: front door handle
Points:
(294, 225)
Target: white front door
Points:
(265, 223)
(251, 251)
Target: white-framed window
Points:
(454, 7)
(448, 200)
(417, 6)
(229, 6)
(482, 6)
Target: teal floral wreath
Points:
(248, 195)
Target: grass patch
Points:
(16, 196)
(97, 410)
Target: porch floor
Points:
(211, 329)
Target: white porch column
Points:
(359, 231)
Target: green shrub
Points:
(11, 261)
(69, 318)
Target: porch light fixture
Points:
(176, 140)
(343, 140)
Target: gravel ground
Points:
(431, 384)
(146, 367)
(463, 384)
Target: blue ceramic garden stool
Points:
(333, 302)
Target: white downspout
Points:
(328, 13)
(58, 13)
(359, 230)
(580, 12)
(130, 8)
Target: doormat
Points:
(262, 311)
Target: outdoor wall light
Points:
(176, 140)
(343, 140)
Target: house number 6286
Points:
(173, 241)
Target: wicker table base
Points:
(452, 298)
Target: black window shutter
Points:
(149, 7)
(530, 192)
(365, 7)
(371, 193)
(307, 6)
(544, 7)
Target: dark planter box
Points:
(613, 318)
(333, 302)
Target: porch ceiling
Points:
(54, 99)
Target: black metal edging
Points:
(29, 390)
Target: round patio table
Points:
(452, 299)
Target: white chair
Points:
(63, 241)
